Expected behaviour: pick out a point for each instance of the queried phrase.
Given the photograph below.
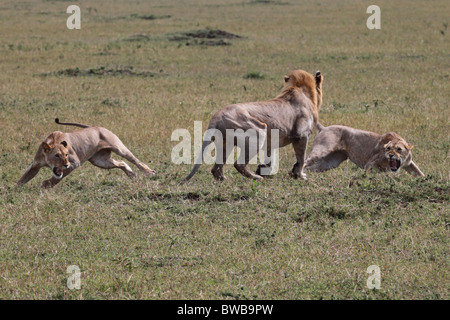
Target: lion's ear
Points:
(286, 78)
(64, 144)
(46, 147)
(409, 146)
(386, 138)
(319, 78)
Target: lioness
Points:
(335, 144)
(294, 113)
(65, 151)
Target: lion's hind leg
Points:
(102, 159)
(325, 162)
(241, 164)
(253, 139)
(222, 155)
(119, 148)
(264, 169)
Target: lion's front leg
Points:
(300, 151)
(31, 172)
(414, 169)
(50, 183)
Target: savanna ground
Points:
(135, 69)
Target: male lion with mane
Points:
(294, 113)
(63, 152)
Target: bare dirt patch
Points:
(100, 72)
(205, 37)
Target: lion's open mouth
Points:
(57, 172)
(394, 164)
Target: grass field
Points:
(146, 68)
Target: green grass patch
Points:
(129, 69)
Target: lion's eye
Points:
(388, 148)
(58, 156)
(67, 155)
(399, 149)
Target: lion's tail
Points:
(320, 127)
(206, 142)
(71, 124)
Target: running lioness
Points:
(63, 152)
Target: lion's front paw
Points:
(47, 184)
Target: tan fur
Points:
(335, 144)
(65, 151)
(294, 113)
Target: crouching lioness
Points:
(63, 152)
(294, 114)
(335, 144)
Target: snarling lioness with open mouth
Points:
(63, 152)
(335, 144)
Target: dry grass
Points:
(277, 239)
